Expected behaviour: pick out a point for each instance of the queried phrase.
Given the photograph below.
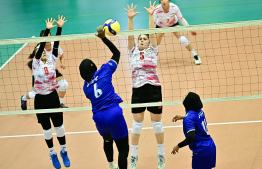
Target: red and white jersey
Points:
(166, 19)
(49, 52)
(144, 66)
(45, 75)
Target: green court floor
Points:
(25, 18)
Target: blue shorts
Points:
(204, 162)
(111, 121)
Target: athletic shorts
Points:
(204, 162)
(169, 26)
(58, 74)
(111, 121)
(146, 94)
(49, 101)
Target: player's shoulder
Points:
(134, 49)
(173, 6)
(158, 9)
(190, 115)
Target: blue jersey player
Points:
(195, 130)
(107, 114)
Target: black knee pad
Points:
(108, 138)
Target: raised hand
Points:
(131, 11)
(49, 23)
(151, 9)
(101, 32)
(61, 21)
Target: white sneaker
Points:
(113, 167)
(133, 163)
(197, 60)
(161, 162)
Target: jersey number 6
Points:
(98, 92)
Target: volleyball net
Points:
(231, 68)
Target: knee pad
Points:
(48, 135)
(158, 127)
(137, 127)
(183, 40)
(63, 85)
(108, 138)
(32, 94)
(60, 131)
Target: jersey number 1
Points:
(204, 125)
(98, 92)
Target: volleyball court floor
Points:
(235, 126)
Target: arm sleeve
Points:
(189, 139)
(55, 48)
(42, 46)
(113, 49)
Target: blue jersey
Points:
(196, 121)
(100, 90)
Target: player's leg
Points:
(156, 119)
(109, 151)
(29, 95)
(139, 95)
(123, 149)
(185, 42)
(116, 123)
(57, 119)
(101, 126)
(63, 86)
(159, 36)
(43, 102)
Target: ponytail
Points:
(30, 64)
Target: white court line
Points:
(14, 55)
(144, 128)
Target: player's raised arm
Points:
(109, 44)
(49, 25)
(60, 23)
(150, 11)
(131, 14)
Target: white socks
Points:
(111, 163)
(134, 150)
(161, 149)
(63, 147)
(52, 150)
(193, 52)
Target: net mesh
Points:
(230, 53)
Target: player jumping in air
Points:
(107, 114)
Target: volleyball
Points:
(111, 27)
